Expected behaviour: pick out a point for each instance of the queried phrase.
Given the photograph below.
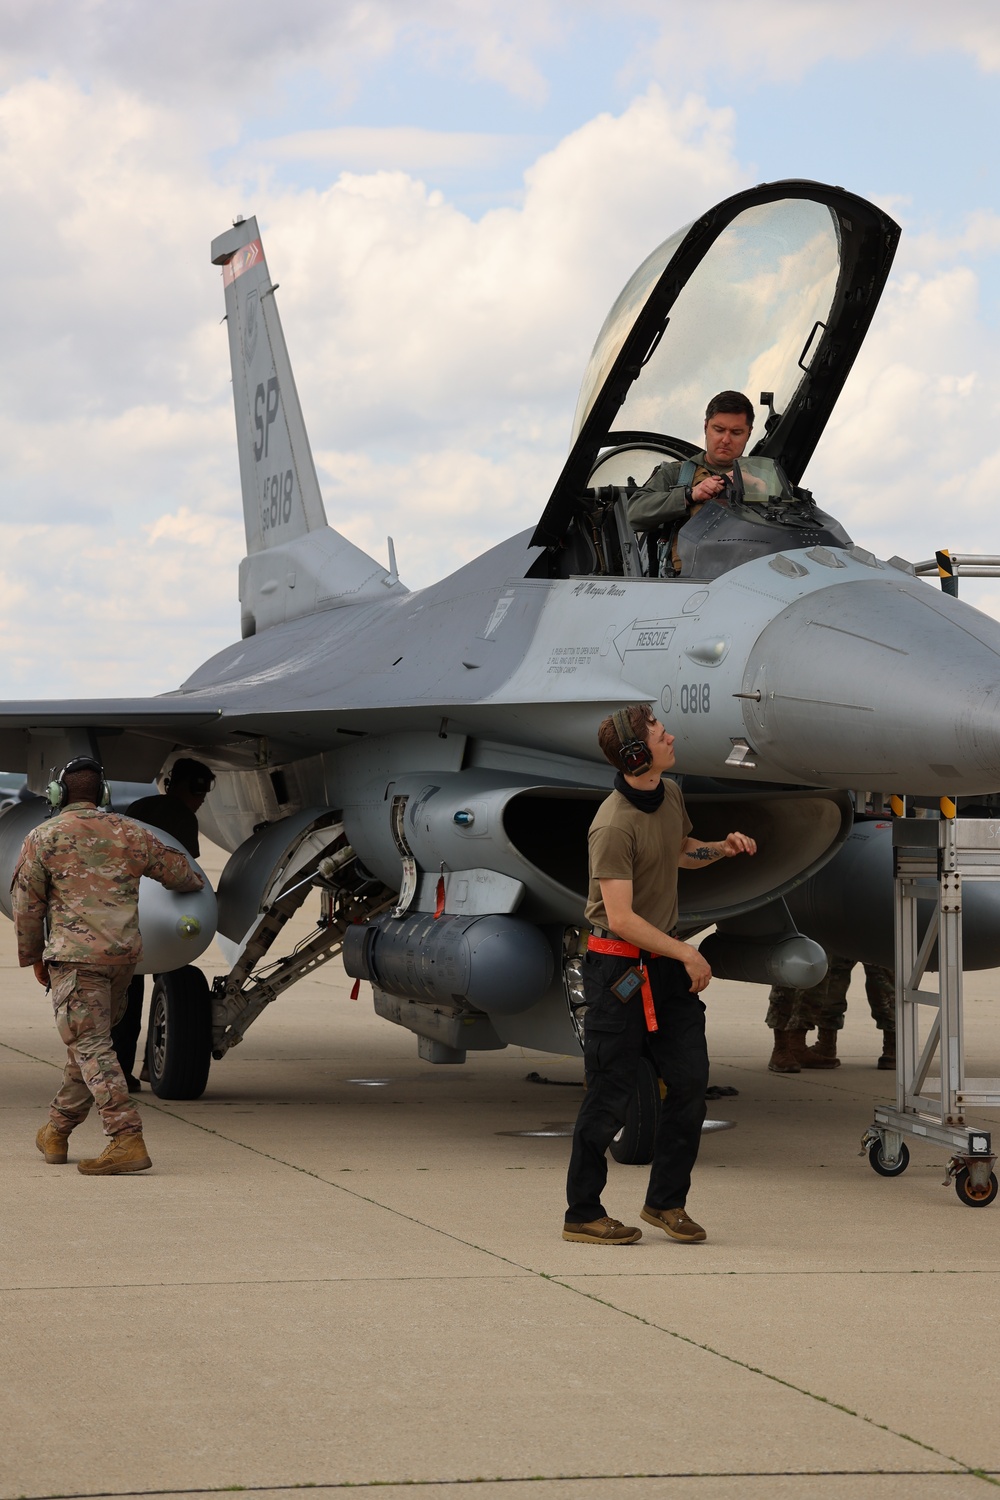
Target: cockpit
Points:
(770, 293)
(758, 512)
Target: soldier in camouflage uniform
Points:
(792, 1013)
(75, 897)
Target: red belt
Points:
(618, 949)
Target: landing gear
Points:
(179, 1044)
(633, 1145)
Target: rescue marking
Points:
(644, 635)
(500, 609)
(566, 659)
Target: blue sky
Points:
(921, 127)
(451, 195)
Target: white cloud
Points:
(911, 455)
(362, 148)
(783, 39)
(184, 50)
(438, 359)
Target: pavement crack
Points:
(590, 1296)
(553, 1280)
(251, 1282)
(457, 1480)
(776, 1379)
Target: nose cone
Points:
(885, 684)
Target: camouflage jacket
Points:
(78, 874)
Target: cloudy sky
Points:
(451, 193)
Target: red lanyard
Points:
(618, 949)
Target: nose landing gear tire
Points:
(179, 1039)
(633, 1145)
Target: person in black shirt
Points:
(184, 790)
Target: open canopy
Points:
(770, 293)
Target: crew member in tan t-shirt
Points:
(638, 841)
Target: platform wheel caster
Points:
(878, 1163)
(975, 1194)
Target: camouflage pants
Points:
(826, 1003)
(87, 1000)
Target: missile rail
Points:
(932, 858)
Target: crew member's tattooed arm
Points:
(697, 854)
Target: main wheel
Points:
(972, 1196)
(879, 1164)
(633, 1145)
(179, 1041)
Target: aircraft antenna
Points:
(393, 570)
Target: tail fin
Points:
(282, 504)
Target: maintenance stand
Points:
(931, 859)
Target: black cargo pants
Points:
(615, 1040)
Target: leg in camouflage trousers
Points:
(880, 987)
(792, 1013)
(87, 1000)
(825, 1005)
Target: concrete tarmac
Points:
(345, 1270)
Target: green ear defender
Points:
(57, 792)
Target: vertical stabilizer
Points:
(281, 498)
(282, 504)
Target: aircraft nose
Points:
(883, 684)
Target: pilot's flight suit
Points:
(78, 874)
(628, 843)
(662, 502)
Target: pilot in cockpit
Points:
(677, 490)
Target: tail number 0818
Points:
(695, 698)
(277, 507)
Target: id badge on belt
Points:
(631, 982)
(628, 985)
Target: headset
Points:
(57, 791)
(635, 754)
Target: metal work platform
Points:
(931, 860)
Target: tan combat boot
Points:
(783, 1059)
(823, 1054)
(887, 1062)
(123, 1153)
(52, 1144)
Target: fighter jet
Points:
(427, 760)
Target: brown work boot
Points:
(783, 1060)
(887, 1061)
(125, 1152)
(602, 1232)
(675, 1223)
(52, 1144)
(823, 1054)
